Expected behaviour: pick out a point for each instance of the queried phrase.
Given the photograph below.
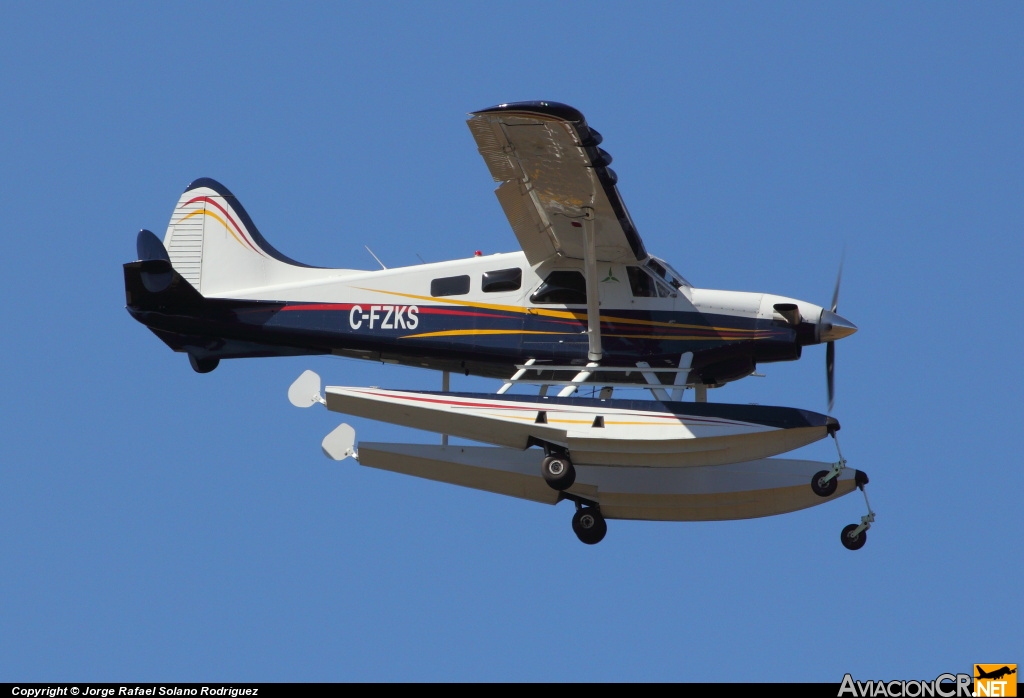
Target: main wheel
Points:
(558, 472)
(821, 488)
(589, 526)
(853, 543)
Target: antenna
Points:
(421, 258)
(375, 257)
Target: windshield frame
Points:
(671, 276)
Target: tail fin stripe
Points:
(202, 212)
(213, 202)
(244, 241)
(241, 230)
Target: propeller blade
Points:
(830, 348)
(839, 277)
(830, 370)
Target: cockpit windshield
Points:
(663, 270)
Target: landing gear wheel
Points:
(558, 472)
(853, 543)
(821, 488)
(588, 525)
(202, 365)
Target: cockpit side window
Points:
(644, 285)
(568, 287)
(641, 283)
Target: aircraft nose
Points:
(833, 326)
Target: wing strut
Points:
(590, 274)
(445, 388)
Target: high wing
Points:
(553, 177)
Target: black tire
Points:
(853, 543)
(824, 490)
(589, 526)
(203, 365)
(558, 472)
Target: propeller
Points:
(830, 348)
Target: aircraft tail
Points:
(214, 245)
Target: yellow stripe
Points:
(563, 314)
(697, 338)
(590, 421)
(474, 333)
(607, 423)
(471, 304)
(204, 212)
(460, 333)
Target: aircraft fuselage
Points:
(482, 315)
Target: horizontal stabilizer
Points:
(154, 285)
(149, 247)
(155, 270)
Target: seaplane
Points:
(581, 312)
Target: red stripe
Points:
(447, 402)
(540, 408)
(428, 310)
(322, 306)
(422, 309)
(223, 210)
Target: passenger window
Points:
(568, 287)
(450, 286)
(502, 280)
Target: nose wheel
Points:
(852, 539)
(855, 536)
(824, 484)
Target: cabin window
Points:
(450, 286)
(502, 280)
(568, 287)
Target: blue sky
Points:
(161, 525)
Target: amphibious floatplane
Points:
(583, 305)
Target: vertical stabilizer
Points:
(215, 246)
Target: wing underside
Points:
(552, 176)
